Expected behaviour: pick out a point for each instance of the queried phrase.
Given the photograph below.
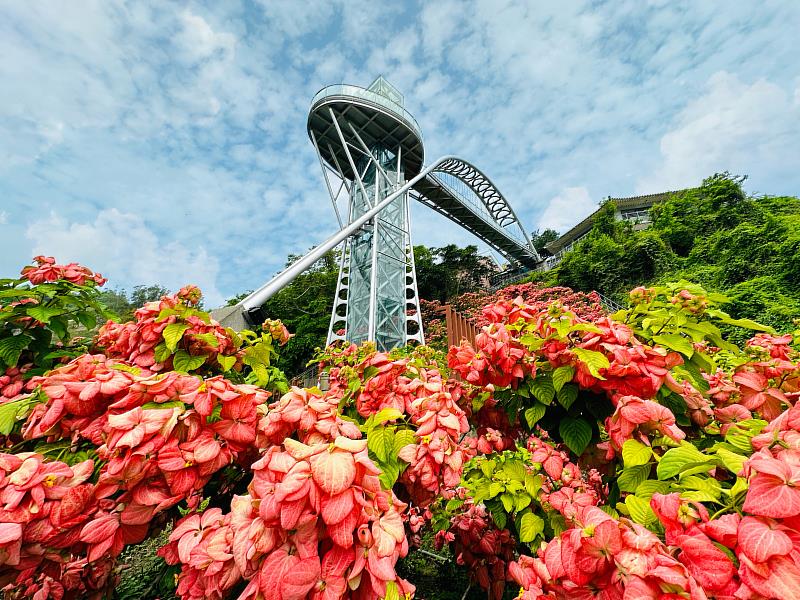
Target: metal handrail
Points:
(354, 91)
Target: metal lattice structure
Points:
(372, 157)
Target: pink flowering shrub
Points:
(577, 455)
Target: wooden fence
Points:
(459, 327)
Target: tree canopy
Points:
(745, 247)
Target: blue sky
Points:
(164, 142)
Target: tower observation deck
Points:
(371, 152)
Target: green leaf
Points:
(183, 361)
(677, 459)
(576, 434)
(631, 477)
(8, 417)
(499, 517)
(454, 504)
(495, 488)
(530, 527)
(567, 395)
(226, 362)
(380, 441)
(508, 501)
(487, 468)
(173, 333)
(44, 313)
(675, 341)
(593, 360)
(392, 592)
(635, 453)
(161, 353)
(562, 376)
(649, 487)
(370, 372)
(402, 438)
(640, 510)
(533, 484)
(162, 405)
(208, 338)
(391, 471)
(521, 501)
(732, 461)
(534, 413)
(542, 388)
(747, 324)
(87, 319)
(387, 414)
(12, 347)
(514, 470)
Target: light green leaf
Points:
(533, 484)
(402, 438)
(647, 488)
(677, 459)
(535, 413)
(675, 341)
(163, 405)
(732, 461)
(172, 334)
(380, 441)
(495, 488)
(640, 510)
(631, 477)
(508, 501)
(392, 592)
(8, 417)
(521, 501)
(487, 468)
(567, 395)
(593, 360)
(514, 470)
(183, 361)
(226, 362)
(747, 324)
(44, 313)
(387, 414)
(576, 434)
(635, 453)
(531, 526)
(562, 376)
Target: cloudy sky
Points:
(164, 142)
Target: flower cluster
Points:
(162, 326)
(160, 437)
(480, 546)
(607, 558)
(315, 524)
(47, 271)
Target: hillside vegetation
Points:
(746, 247)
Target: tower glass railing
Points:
(354, 91)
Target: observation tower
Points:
(370, 145)
(372, 157)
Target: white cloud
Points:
(3, 217)
(567, 209)
(744, 128)
(199, 41)
(122, 246)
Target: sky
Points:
(165, 142)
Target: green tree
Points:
(541, 239)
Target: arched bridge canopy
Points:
(462, 193)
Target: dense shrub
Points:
(634, 455)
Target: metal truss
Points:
(478, 206)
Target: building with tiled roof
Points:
(635, 209)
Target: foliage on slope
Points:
(747, 247)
